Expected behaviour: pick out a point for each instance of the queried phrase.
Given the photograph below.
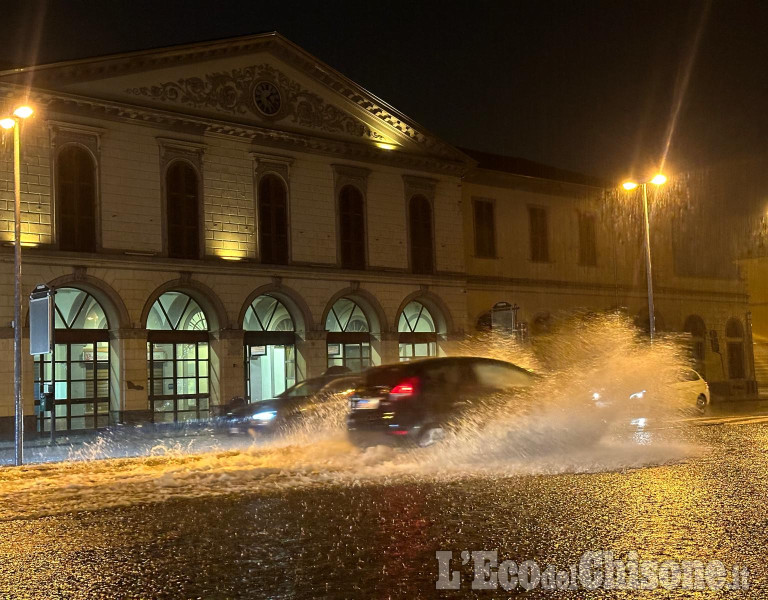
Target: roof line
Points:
(182, 49)
(176, 48)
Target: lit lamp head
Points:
(629, 185)
(22, 112)
(659, 179)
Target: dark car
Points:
(289, 407)
(413, 402)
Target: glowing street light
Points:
(630, 185)
(19, 114)
(22, 112)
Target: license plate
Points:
(365, 403)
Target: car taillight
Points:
(407, 387)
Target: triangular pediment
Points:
(261, 81)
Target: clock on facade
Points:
(266, 97)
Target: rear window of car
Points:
(340, 385)
(385, 376)
(305, 388)
(500, 376)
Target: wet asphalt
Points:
(379, 539)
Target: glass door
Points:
(81, 386)
(178, 380)
(270, 370)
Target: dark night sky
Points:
(581, 85)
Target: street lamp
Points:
(19, 114)
(630, 185)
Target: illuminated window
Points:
(81, 356)
(76, 200)
(273, 221)
(348, 338)
(352, 228)
(177, 355)
(417, 334)
(270, 348)
(182, 210)
(422, 249)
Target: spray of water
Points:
(555, 426)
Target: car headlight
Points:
(266, 415)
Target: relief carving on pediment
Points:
(237, 91)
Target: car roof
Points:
(434, 360)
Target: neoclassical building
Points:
(227, 218)
(222, 219)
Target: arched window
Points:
(351, 228)
(422, 249)
(273, 221)
(182, 210)
(694, 325)
(76, 200)
(348, 339)
(270, 348)
(734, 338)
(417, 332)
(81, 354)
(177, 352)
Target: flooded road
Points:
(324, 521)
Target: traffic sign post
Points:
(42, 305)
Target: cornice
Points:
(257, 135)
(292, 54)
(476, 282)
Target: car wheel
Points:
(430, 436)
(701, 402)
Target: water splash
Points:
(553, 428)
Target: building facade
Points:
(227, 218)
(223, 220)
(552, 241)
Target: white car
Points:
(688, 393)
(692, 390)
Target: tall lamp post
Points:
(14, 122)
(631, 185)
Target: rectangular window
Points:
(539, 233)
(587, 240)
(485, 229)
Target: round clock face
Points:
(266, 97)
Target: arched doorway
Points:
(694, 325)
(348, 341)
(417, 333)
(177, 353)
(734, 339)
(270, 348)
(81, 356)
